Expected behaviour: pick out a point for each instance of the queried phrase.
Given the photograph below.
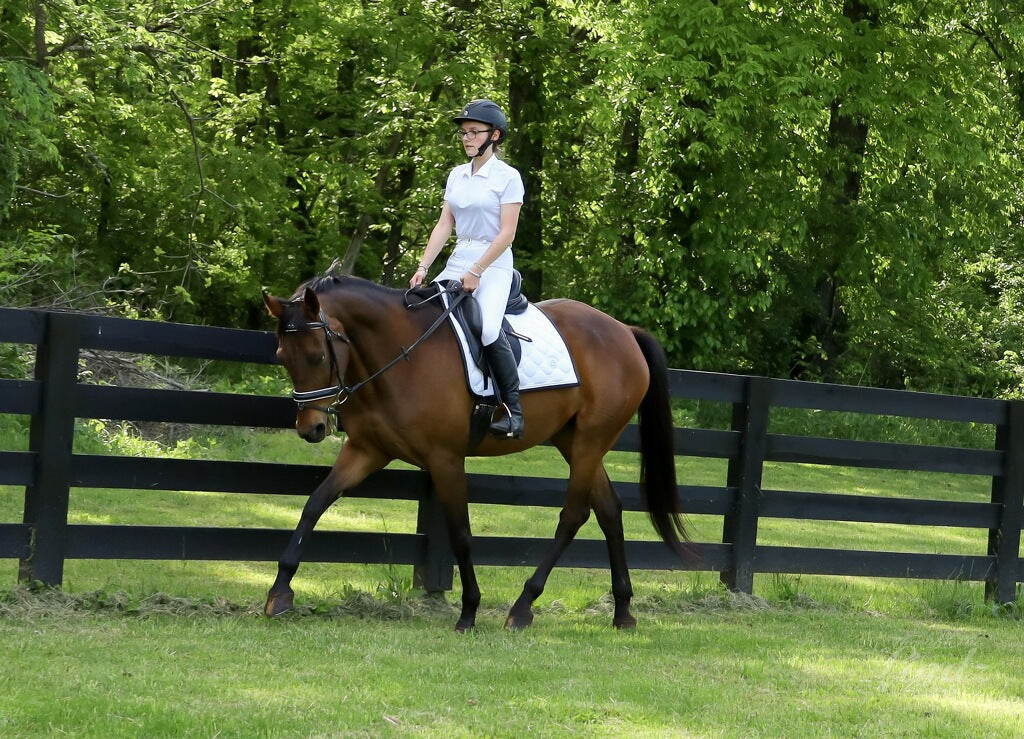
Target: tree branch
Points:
(981, 33)
(41, 192)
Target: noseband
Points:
(342, 392)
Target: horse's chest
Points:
(383, 433)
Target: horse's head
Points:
(314, 350)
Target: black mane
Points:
(356, 291)
(329, 282)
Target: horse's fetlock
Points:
(533, 589)
(622, 590)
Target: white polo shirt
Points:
(476, 199)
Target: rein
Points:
(342, 392)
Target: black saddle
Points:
(467, 313)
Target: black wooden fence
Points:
(54, 399)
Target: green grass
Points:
(708, 666)
(148, 648)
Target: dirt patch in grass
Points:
(24, 602)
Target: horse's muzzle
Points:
(315, 434)
(313, 425)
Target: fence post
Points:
(750, 418)
(1008, 494)
(437, 572)
(51, 437)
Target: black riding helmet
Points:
(484, 111)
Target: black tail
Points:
(657, 451)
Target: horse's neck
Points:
(378, 327)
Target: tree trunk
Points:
(39, 12)
(836, 227)
(407, 174)
(355, 244)
(395, 144)
(393, 249)
(527, 114)
(627, 159)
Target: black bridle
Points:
(302, 399)
(341, 392)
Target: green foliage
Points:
(26, 125)
(27, 258)
(123, 439)
(823, 190)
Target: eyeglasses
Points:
(471, 133)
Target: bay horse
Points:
(343, 338)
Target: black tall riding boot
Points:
(506, 376)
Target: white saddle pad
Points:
(545, 364)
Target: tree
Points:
(823, 189)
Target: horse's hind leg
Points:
(570, 520)
(350, 468)
(574, 514)
(608, 511)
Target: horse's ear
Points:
(274, 305)
(311, 304)
(336, 264)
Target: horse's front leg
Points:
(449, 478)
(351, 467)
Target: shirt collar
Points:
(484, 171)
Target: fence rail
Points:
(55, 400)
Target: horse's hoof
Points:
(463, 626)
(518, 623)
(278, 603)
(625, 624)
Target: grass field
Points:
(180, 649)
(711, 667)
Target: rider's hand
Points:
(417, 278)
(470, 282)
